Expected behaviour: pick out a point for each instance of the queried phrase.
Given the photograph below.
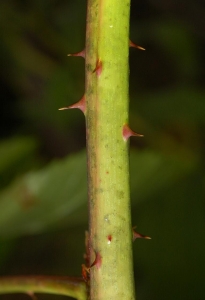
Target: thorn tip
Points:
(80, 105)
(81, 53)
(137, 235)
(131, 44)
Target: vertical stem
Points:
(110, 235)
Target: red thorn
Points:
(81, 53)
(98, 68)
(137, 235)
(127, 132)
(109, 238)
(136, 46)
(85, 273)
(80, 105)
(98, 260)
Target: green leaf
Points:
(170, 105)
(152, 173)
(16, 155)
(175, 255)
(45, 199)
(177, 40)
(56, 195)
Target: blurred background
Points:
(43, 211)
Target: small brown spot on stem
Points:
(109, 238)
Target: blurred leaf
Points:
(16, 156)
(175, 220)
(6, 248)
(179, 44)
(152, 173)
(56, 195)
(61, 90)
(36, 40)
(170, 105)
(174, 40)
(44, 199)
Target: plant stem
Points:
(110, 234)
(73, 287)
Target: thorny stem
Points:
(67, 286)
(110, 234)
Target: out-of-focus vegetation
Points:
(43, 210)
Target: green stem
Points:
(73, 287)
(110, 236)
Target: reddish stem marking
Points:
(109, 238)
(98, 68)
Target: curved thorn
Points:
(85, 273)
(80, 105)
(137, 235)
(136, 46)
(81, 53)
(127, 132)
(98, 260)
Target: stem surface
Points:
(110, 233)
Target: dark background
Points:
(43, 212)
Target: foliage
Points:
(38, 143)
